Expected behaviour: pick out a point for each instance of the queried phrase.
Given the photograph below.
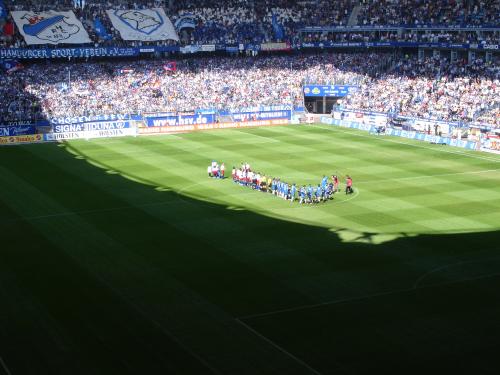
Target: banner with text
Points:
(19, 139)
(195, 127)
(56, 53)
(177, 120)
(9, 131)
(50, 27)
(90, 126)
(266, 115)
(90, 134)
(143, 24)
(328, 90)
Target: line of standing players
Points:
(309, 194)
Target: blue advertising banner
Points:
(82, 119)
(90, 126)
(357, 28)
(267, 115)
(181, 120)
(11, 131)
(400, 44)
(328, 90)
(49, 53)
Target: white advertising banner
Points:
(50, 27)
(143, 24)
(92, 134)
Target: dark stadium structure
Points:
(119, 257)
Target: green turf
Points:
(120, 256)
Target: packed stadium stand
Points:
(434, 83)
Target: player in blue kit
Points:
(293, 192)
(319, 194)
(324, 182)
(273, 185)
(302, 195)
(310, 192)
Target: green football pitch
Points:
(120, 256)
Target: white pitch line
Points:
(96, 211)
(4, 366)
(269, 341)
(364, 297)
(357, 192)
(450, 265)
(491, 159)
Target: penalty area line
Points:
(272, 343)
(366, 296)
(4, 366)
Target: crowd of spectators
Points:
(62, 89)
(433, 88)
(434, 12)
(258, 21)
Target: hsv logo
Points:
(50, 28)
(140, 21)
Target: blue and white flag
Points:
(3, 10)
(11, 66)
(143, 24)
(279, 33)
(50, 27)
(186, 20)
(101, 30)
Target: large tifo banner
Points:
(50, 27)
(145, 24)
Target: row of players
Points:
(257, 181)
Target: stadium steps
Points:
(353, 18)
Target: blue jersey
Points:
(324, 182)
(294, 190)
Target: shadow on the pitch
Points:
(243, 263)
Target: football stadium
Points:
(249, 187)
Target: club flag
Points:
(8, 28)
(50, 27)
(101, 30)
(11, 66)
(279, 33)
(143, 24)
(170, 66)
(3, 10)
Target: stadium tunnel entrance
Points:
(323, 105)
